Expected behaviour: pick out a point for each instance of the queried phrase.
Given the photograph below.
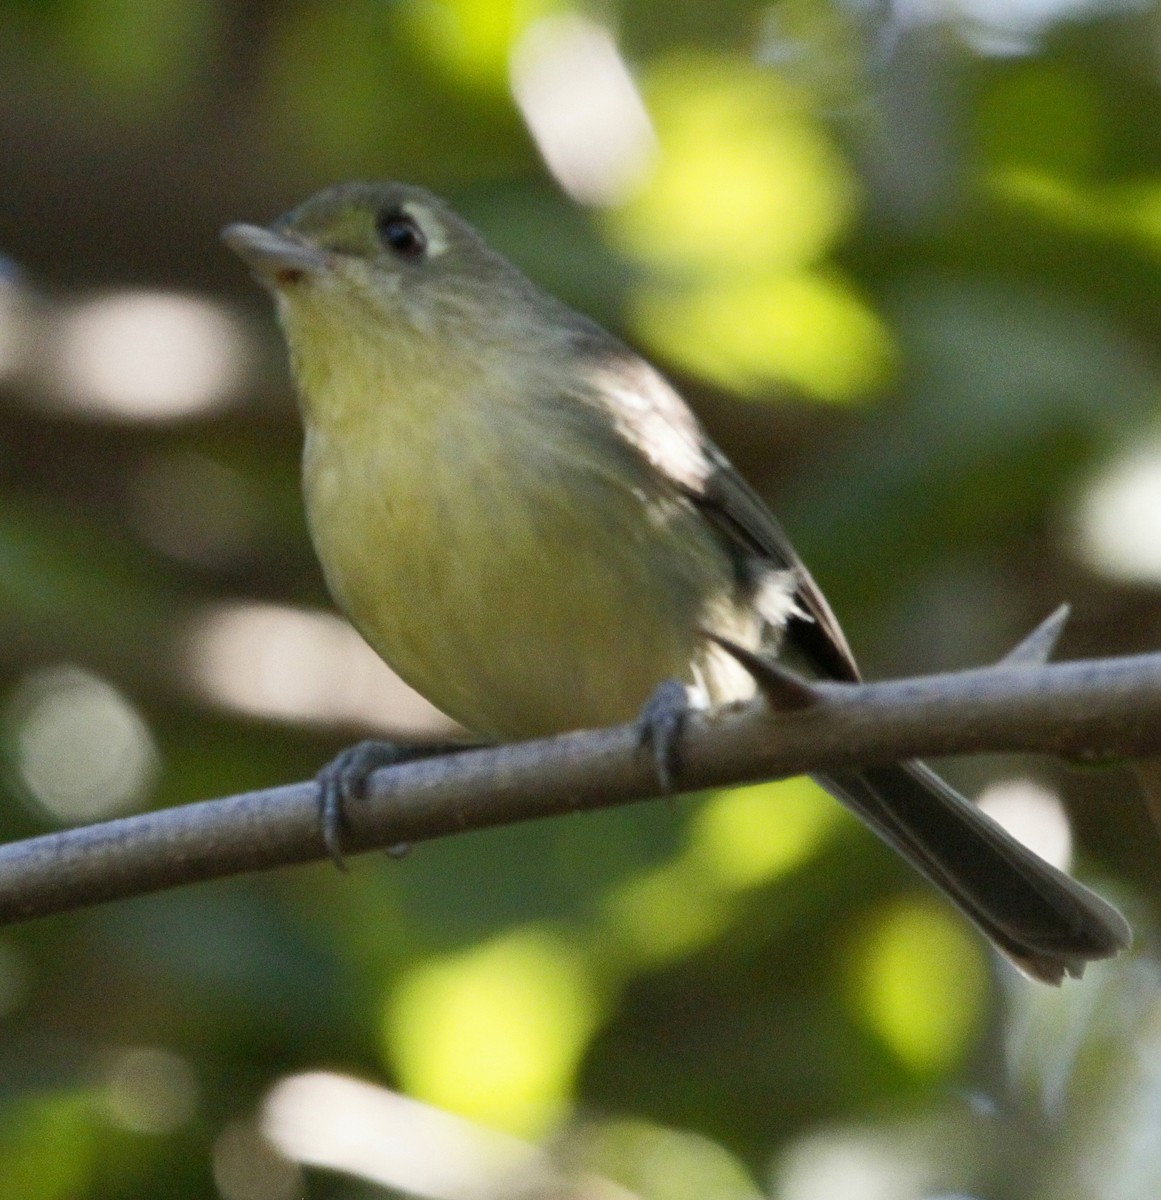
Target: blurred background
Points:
(904, 259)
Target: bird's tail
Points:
(1046, 923)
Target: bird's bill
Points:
(274, 257)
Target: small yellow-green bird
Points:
(526, 521)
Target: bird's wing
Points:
(651, 415)
(737, 510)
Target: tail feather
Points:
(1045, 922)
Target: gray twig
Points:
(1092, 710)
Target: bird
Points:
(527, 522)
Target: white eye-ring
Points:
(430, 225)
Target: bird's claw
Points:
(344, 781)
(659, 729)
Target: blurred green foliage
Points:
(905, 262)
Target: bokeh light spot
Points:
(901, 1162)
(248, 1167)
(146, 356)
(920, 982)
(801, 329)
(582, 109)
(495, 1033)
(1118, 518)
(35, 1129)
(744, 179)
(293, 664)
(751, 835)
(668, 1164)
(665, 913)
(1033, 815)
(344, 1124)
(149, 1089)
(469, 40)
(80, 747)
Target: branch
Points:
(1092, 710)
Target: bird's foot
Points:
(344, 781)
(659, 729)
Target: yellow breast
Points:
(508, 566)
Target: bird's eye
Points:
(401, 234)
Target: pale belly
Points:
(518, 607)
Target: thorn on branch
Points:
(782, 689)
(1036, 649)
